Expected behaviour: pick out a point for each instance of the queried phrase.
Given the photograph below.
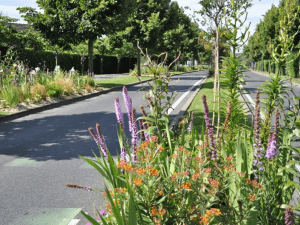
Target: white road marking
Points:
(183, 96)
(73, 222)
(253, 103)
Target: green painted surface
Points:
(86, 166)
(26, 162)
(47, 216)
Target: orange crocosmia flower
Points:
(186, 185)
(153, 172)
(127, 167)
(138, 181)
(123, 190)
(195, 176)
(213, 211)
(148, 167)
(121, 163)
(207, 170)
(141, 171)
(252, 197)
(204, 219)
(214, 183)
(161, 149)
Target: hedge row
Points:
(67, 61)
(291, 68)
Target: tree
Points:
(90, 19)
(145, 25)
(8, 32)
(213, 12)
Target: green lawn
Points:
(120, 81)
(197, 105)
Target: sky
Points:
(259, 8)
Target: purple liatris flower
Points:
(134, 130)
(257, 145)
(209, 129)
(271, 150)
(123, 153)
(93, 135)
(191, 123)
(141, 128)
(119, 113)
(128, 105)
(101, 140)
(288, 217)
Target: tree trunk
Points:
(102, 57)
(139, 61)
(119, 61)
(91, 48)
(216, 73)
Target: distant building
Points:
(20, 26)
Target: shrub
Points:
(38, 92)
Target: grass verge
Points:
(119, 81)
(197, 106)
(294, 80)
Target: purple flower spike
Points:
(119, 113)
(133, 129)
(102, 212)
(93, 135)
(288, 217)
(209, 129)
(128, 105)
(101, 140)
(123, 153)
(271, 150)
(141, 128)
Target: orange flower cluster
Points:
(214, 183)
(229, 168)
(161, 212)
(138, 182)
(254, 183)
(186, 185)
(141, 171)
(195, 176)
(153, 172)
(229, 158)
(213, 211)
(145, 144)
(154, 139)
(154, 210)
(207, 170)
(186, 173)
(204, 219)
(145, 158)
(123, 164)
(252, 197)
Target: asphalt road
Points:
(39, 156)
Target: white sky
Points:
(8, 8)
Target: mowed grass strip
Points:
(197, 104)
(119, 81)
